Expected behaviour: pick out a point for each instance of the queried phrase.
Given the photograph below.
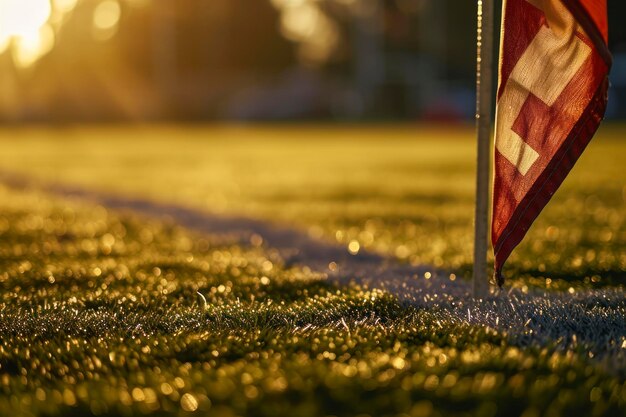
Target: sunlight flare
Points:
(27, 27)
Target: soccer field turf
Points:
(404, 191)
(99, 312)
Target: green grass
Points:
(99, 315)
(99, 312)
(403, 191)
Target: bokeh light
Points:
(106, 16)
(25, 28)
(303, 22)
(23, 18)
(29, 48)
(28, 28)
(64, 6)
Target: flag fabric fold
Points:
(552, 94)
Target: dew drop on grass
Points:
(188, 402)
(354, 247)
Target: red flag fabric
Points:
(552, 95)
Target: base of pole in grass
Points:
(484, 100)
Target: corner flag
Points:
(552, 95)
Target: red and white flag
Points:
(552, 95)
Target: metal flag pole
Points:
(484, 100)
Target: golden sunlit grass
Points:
(404, 191)
(100, 315)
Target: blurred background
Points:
(248, 60)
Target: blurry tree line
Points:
(255, 60)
